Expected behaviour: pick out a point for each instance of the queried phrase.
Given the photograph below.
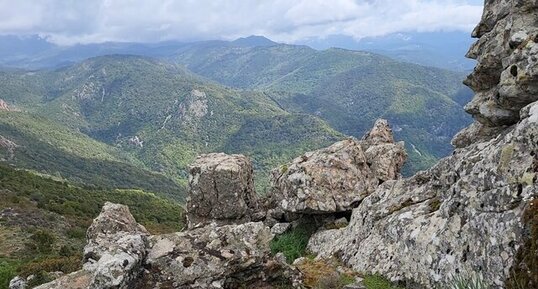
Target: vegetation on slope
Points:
(50, 148)
(43, 221)
(164, 116)
(348, 89)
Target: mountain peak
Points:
(253, 41)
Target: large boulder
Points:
(337, 178)
(221, 189)
(207, 257)
(114, 254)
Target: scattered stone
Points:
(280, 228)
(221, 189)
(355, 286)
(18, 283)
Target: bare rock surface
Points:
(121, 254)
(221, 189)
(466, 214)
(336, 178)
(207, 257)
(506, 76)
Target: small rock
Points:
(280, 228)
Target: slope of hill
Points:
(41, 145)
(348, 89)
(163, 115)
(43, 221)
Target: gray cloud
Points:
(87, 21)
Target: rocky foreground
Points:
(472, 213)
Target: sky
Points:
(67, 22)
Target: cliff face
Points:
(473, 211)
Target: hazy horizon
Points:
(298, 22)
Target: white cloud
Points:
(84, 21)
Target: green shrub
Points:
(40, 277)
(51, 264)
(8, 270)
(293, 243)
(42, 241)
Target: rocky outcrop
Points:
(116, 248)
(463, 215)
(473, 212)
(506, 76)
(221, 189)
(10, 147)
(120, 253)
(337, 178)
(208, 257)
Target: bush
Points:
(8, 270)
(39, 278)
(42, 241)
(51, 264)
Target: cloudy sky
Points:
(87, 21)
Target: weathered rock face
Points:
(114, 254)
(121, 254)
(471, 211)
(221, 189)
(336, 178)
(463, 215)
(207, 257)
(506, 76)
(116, 248)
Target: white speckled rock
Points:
(336, 178)
(462, 215)
(207, 257)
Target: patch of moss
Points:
(435, 204)
(294, 242)
(323, 274)
(506, 156)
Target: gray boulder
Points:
(221, 189)
(337, 178)
(207, 257)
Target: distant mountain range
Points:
(438, 49)
(137, 121)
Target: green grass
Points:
(378, 282)
(294, 242)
